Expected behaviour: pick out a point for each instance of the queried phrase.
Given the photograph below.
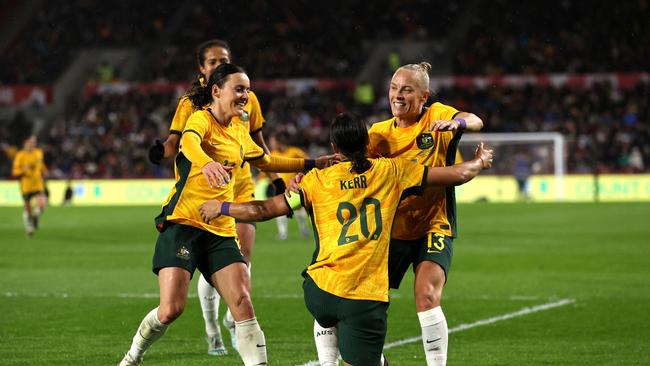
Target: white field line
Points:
(150, 295)
(478, 323)
(154, 295)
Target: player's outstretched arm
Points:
(270, 163)
(462, 121)
(276, 181)
(461, 173)
(246, 211)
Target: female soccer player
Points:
(280, 146)
(210, 55)
(424, 228)
(352, 205)
(29, 168)
(212, 146)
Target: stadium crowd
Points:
(107, 135)
(325, 39)
(311, 39)
(561, 36)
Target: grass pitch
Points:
(75, 293)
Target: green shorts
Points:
(432, 247)
(361, 323)
(28, 196)
(190, 248)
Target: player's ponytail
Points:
(202, 95)
(350, 136)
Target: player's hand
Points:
(210, 210)
(325, 161)
(444, 125)
(216, 174)
(279, 186)
(156, 152)
(294, 183)
(486, 155)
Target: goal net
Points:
(519, 160)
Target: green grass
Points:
(74, 294)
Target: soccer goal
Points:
(523, 155)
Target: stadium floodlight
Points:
(545, 151)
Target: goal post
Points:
(546, 151)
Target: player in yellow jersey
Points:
(29, 168)
(279, 147)
(424, 228)
(212, 146)
(352, 206)
(210, 55)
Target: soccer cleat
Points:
(130, 361)
(230, 325)
(216, 346)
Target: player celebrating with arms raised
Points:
(424, 228)
(352, 205)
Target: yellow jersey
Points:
(289, 152)
(229, 145)
(29, 167)
(352, 216)
(436, 211)
(253, 121)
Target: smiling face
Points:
(233, 96)
(406, 95)
(213, 57)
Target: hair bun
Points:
(425, 66)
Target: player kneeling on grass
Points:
(352, 205)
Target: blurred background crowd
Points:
(95, 134)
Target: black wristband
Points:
(310, 164)
(279, 186)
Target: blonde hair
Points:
(421, 71)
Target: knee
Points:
(167, 313)
(425, 300)
(243, 307)
(428, 293)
